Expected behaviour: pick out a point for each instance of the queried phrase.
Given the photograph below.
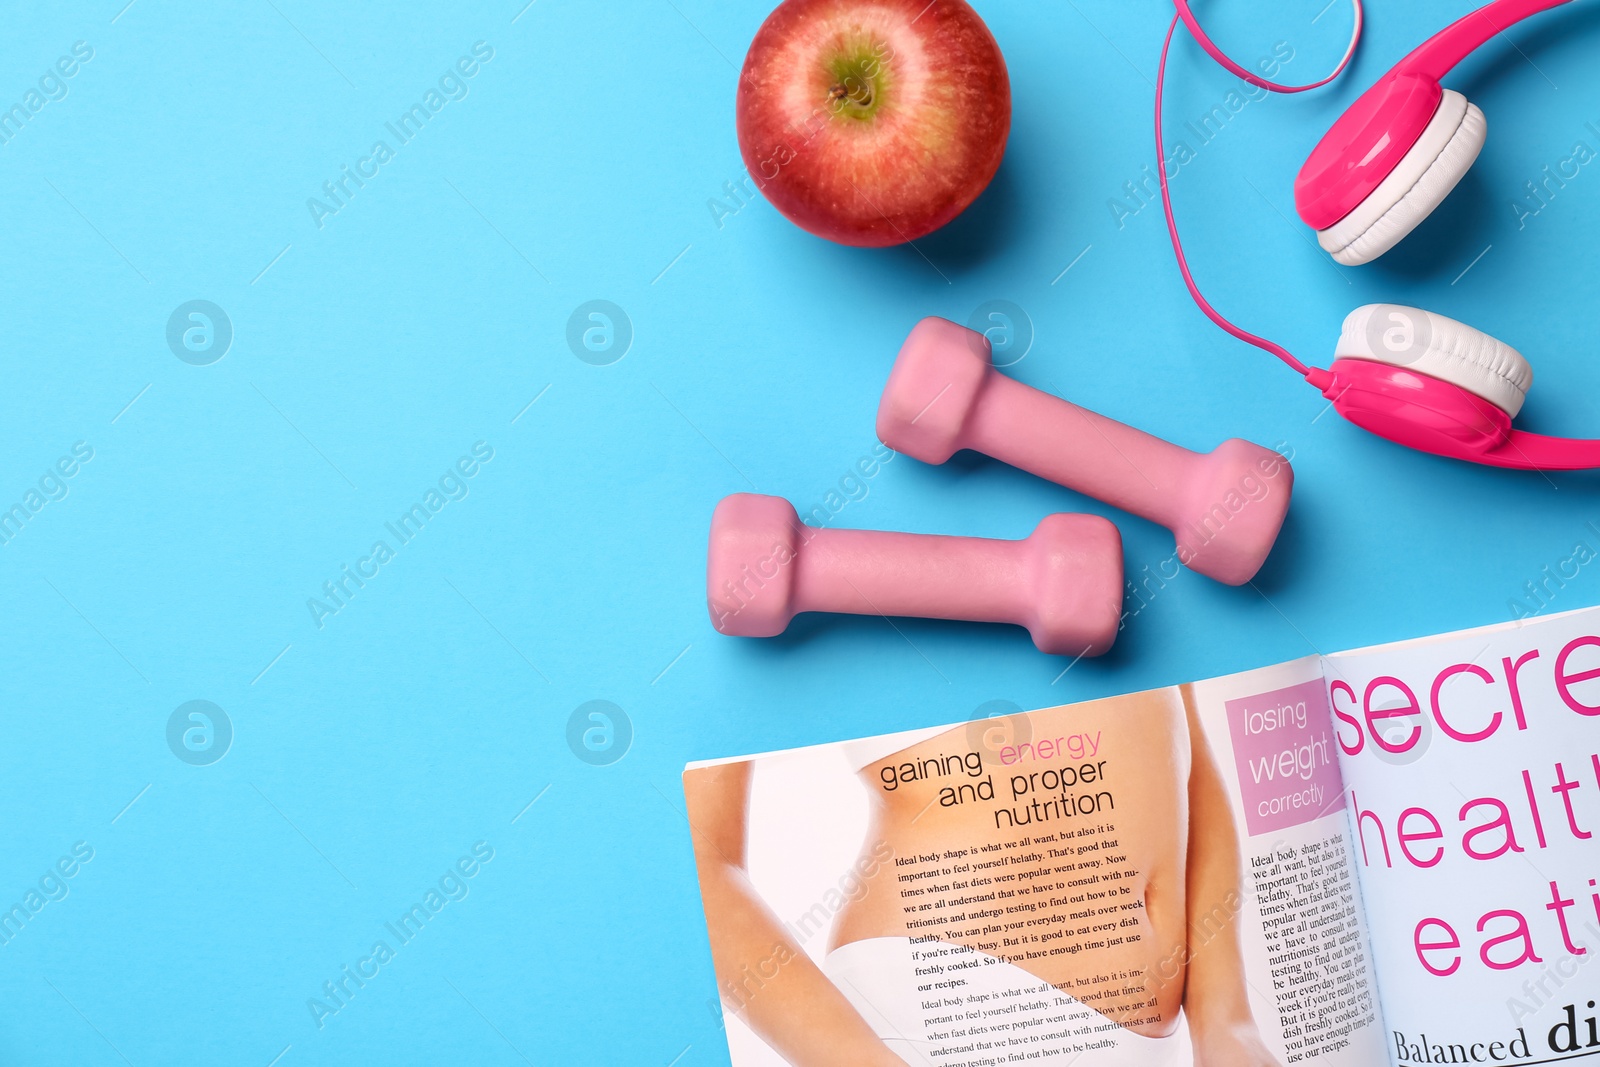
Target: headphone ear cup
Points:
(1438, 347)
(1419, 182)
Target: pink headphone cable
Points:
(1316, 376)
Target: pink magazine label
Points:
(1284, 755)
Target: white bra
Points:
(941, 1005)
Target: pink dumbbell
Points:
(1225, 507)
(1064, 582)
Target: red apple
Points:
(873, 122)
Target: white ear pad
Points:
(1440, 348)
(1418, 184)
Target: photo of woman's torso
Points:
(1054, 842)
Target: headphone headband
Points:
(1440, 54)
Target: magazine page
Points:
(1306, 940)
(1083, 884)
(1473, 780)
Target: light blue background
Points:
(369, 354)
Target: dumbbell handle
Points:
(870, 572)
(1077, 448)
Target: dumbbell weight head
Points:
(932, 390)
(750, 566)
(1234, 505)
(1077, 594)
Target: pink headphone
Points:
(1411, 376)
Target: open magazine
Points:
(1390, 855)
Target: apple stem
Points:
(861, 94)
